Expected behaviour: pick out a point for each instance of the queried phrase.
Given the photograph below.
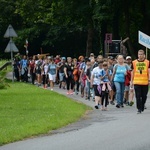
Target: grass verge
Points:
(26, 111)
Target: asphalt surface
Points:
(115, 129)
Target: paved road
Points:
(115, 129)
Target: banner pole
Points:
(146, 52)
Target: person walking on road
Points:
(95, 83)
(68, 70)
(119, 72)
(140, 79)
(52, 71)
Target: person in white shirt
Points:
(95, 83)
(45, 73)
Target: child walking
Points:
(105, 76)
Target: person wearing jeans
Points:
(120, 87)
(119, 72)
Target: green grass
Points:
(26, 110)
(3, 61)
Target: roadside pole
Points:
(11, 47)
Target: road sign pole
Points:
(10, 33)
(12, 60)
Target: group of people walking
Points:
(102, 80)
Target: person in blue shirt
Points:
(24, 69)
(105, 76)
(52, 71)
(119, 72)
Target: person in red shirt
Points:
(57, 59)
(129, 93)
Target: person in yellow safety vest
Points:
(140, 78)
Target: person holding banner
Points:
(140, 78)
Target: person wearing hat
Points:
(128, 93)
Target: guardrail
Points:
(5, 65)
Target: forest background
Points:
(73, 27)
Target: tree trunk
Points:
(89, 41)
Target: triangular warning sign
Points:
(10, 32)
(11, 47)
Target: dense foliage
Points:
(73, 27)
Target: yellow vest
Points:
(140, 76)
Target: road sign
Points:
(108, 37)
(10, 32)
(11, 47)
(144, 39)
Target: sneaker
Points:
(60, 85)
(139, 111)
(131, 103)
(76, 92)
(39, 84)
(122, 106)
(51, 89)
(124, 101)
(96, 107)
(68, 93)
(127, 104)
(118, 106)
(112, 103)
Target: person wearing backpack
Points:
(95, 83)
(105, 76)
(119, 72)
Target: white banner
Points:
(144, 39)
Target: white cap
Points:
(128, 57)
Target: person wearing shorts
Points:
(95, 83)
(52, 72)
